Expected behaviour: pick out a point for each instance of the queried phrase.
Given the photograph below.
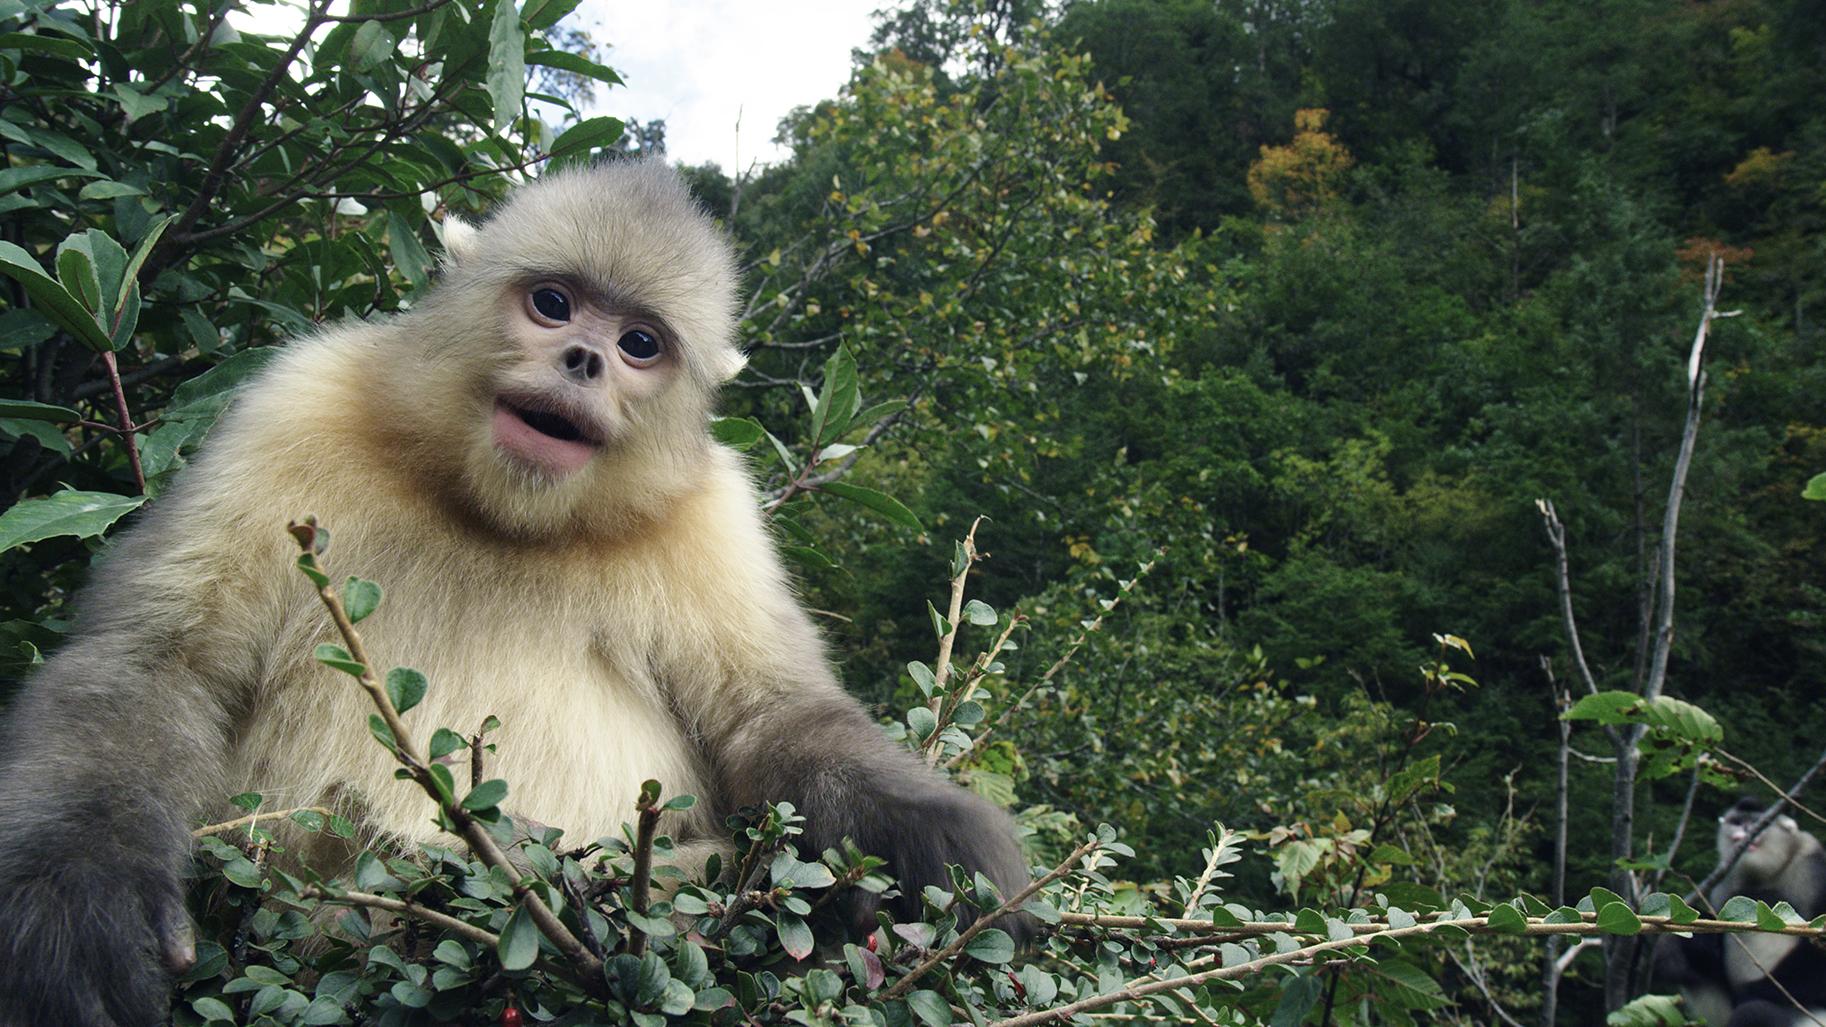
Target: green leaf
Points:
(991, 946)
(788, 872)
(444, 742)
(576, 64)
(109, 190)
(1616, 918)
(1604, 898)
(1649, 1011)
(1679, 911)
(1769, 919)
(1682, 720)
(405, 687)
(14, 179)
(940, 626)
(57, 46)
(308, 564)
(923, 722)
(38, 411)
(76, 270)
(838, 400)
(51, 298)
(519, 942)
(543, 14)
(869, 416)
(486, 795)
(82, 514)
(443, 783)
(795, 937)
(1604, 707)
(930, 1007)
(408, 252)
(506, 78)
(212, 1009)
(737, 432)
(93, 261)
(137, 104)
(979, 613)
(1740, 908)
(371, 46)
(360, 597)
(880, 502)
(1816, 488)
(1506, 919)
(923, 677)
(331, 655)
(576, 143)
(224, 377)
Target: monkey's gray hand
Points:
(925, 822)
(91, 926)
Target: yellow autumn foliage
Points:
(1292, 180)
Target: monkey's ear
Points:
(727, 362)
(462, 243)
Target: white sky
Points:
(697, 63)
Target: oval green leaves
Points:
(519, 944)
(880, 502)
(82, 514)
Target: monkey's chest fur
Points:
(572, 672)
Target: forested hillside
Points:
(1364, 281)
(1270, 356)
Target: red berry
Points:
(874, 946)
(510, 1017)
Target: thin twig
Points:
(646, 821)
(404, 908)
(127, 427)
(411, 12)
(1362, 934)
(941, 670)
(1071, 650)
(1556, 535)
(231, 140)
(905, 984)
(410, 756)
(249, 820)
(1788, 796)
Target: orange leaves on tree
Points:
(1306, 174)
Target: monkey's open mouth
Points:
(545, 438)
(550, 424)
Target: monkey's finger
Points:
(177, 939)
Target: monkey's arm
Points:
(776, 725)
(815, 746)
(103, 758)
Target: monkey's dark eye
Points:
(639, 347)
(551, 304)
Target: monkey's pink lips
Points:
(547, 440)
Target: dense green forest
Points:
(1242, 340)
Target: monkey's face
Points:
(1771, 850)
(582, 368)
(568, 360)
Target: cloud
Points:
(697, 63)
